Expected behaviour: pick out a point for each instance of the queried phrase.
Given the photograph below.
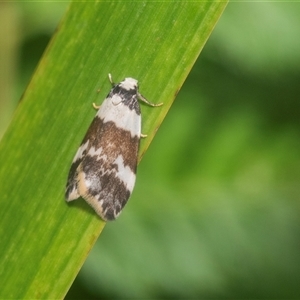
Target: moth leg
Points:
(142, 98)
(112, 83)
(111, 80)
(144, 135)
(96, 106)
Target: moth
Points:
(103, 171)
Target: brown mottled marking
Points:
(114, 141)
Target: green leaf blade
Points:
(45, 240)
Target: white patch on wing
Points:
(129, 84)
(80, 151)
(124, 173)
(83, 188)
(122, 116)
(116, 99)
(93, 152)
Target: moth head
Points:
(129, 84)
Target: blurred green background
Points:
(215, 210)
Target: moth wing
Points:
(72, 192)
(108, 170)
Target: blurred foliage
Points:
(215, 211)
(25, 30)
